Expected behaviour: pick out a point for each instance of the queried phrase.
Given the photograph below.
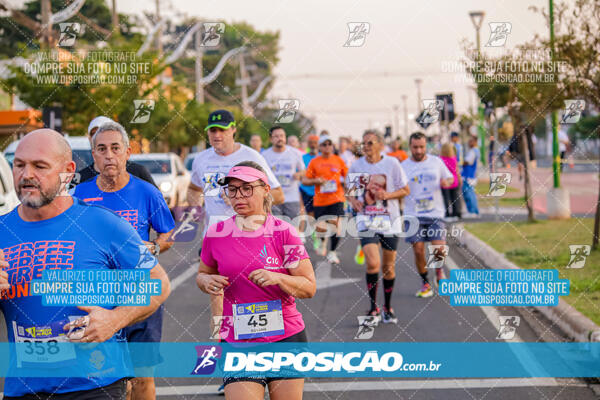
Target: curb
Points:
(573, 323)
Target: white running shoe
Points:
(333, 258)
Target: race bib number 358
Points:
(254, 320)
(40, 345)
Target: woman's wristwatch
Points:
(156, 250)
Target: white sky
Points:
(412, 39)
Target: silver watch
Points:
(156, 251)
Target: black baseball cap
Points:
(221, 119)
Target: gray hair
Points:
(113, 127)
(378, 135)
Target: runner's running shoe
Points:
(373, 318)
(333, 258)
(388, 316)
(425, 291)
(359, 257)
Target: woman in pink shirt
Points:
(451, 193)
(259, 265)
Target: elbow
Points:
(166, 289)
(309, 291)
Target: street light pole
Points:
(477, 20)
(418, 82)
(198, 70)
(555, 152)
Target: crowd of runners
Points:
(261, 207)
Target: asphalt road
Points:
(332, 316)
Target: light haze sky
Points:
(410, 39)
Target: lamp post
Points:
(477, 20)
(418, 82)
(555, 153)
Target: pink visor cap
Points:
(246, 174)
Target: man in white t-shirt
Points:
(288, 167)
(213, 164)
(375, 183)
(425, 205)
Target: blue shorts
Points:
(148, 330)
(430, 229)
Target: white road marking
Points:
(184, 276)
(492, 314)
(323, 277)
(378, 385)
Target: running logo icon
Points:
(69, 32)
(366, 327)
(221, 327)
(207, 359)
(573, 110)
(508, 326)
(186, 227)
(499, 181)
(211, 183)
(437, 255)
(68, 181)
(499, 32)
(143, 109)
(212, 34)
(579, 253)
(146, 260)
(357, 182)
(293, 253)
(357, 33)
(287, 110)
(431, 111)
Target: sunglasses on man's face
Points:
(326, 144)
(369, 143)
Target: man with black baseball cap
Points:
(213, 164)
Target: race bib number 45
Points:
(254, 320)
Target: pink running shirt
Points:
(236, 253)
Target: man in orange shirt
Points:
(326, 171)
(397, 151)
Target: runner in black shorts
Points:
(326, 171)
(375, 183)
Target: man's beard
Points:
(45, 198)
(418, 157)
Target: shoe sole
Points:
(425, 296)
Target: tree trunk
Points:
(597, 218)
(528, 193)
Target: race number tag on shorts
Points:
(253, 320)
(424, 204)
(40, 344)
(284, 180)
(329, 187)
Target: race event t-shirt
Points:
(363, 180)
(275, 246)
(424, 179)
(208, 167)
(140, 203)
(284, 165)
(83, 237)
(332, 169)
